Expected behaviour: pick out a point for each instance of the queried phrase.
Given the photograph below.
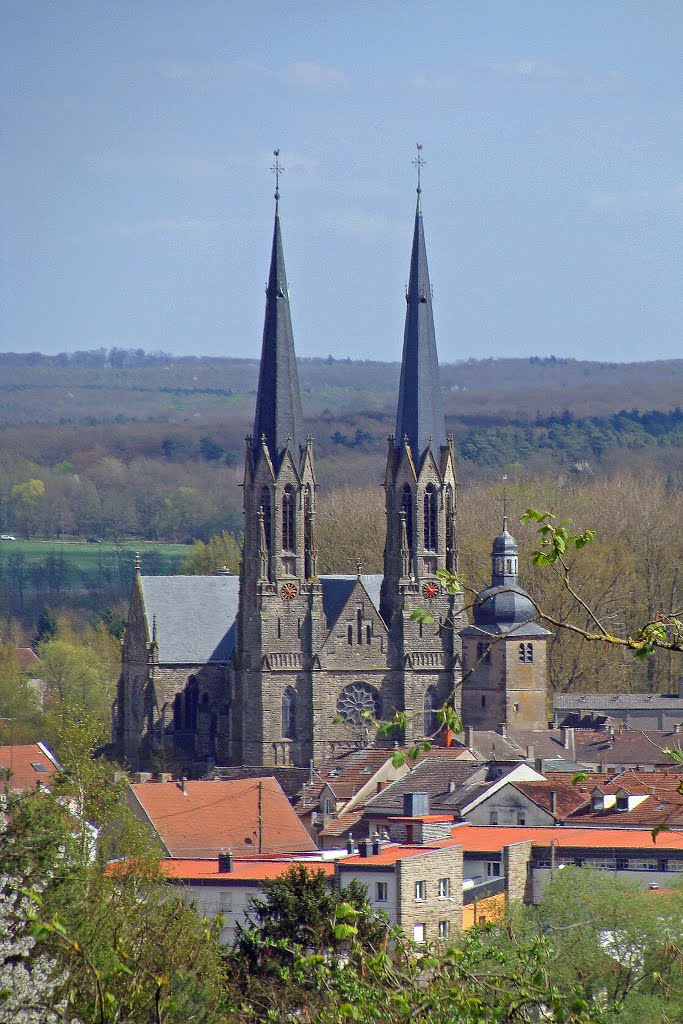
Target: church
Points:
(277, 666)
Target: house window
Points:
(381, 892)
(515, 708)
(643, 865)
(493, 817)
(289, 714)
(328, 806)
(444, 888)
(430, 518)
(444, 929)
(493, 868)
(288, 519)
(420, 891)
(419, 932)
(265, 505)
(521, 818)
(407, 506)
(622, 803)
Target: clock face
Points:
(288, 591)
(430, 590)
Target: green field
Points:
(86, 559)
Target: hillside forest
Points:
(135, 449)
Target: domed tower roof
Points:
(504, 607)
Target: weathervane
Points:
(277, 170)
(419, 162)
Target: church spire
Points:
(278, 418)
(420, 416)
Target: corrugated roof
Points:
(245, 816)
(195, 617)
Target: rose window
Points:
(355, 699)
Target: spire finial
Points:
(419, 162)
(277, 170)
(505, 504)
(138, 561)
(359, 567)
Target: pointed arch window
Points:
(289, 714)
(450, 532)
(430, 709)
(407, 506)
(288, 539)
(430, 518)
(308, 528)
(191, 703)
(265, 505)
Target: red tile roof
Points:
(247, 870)
(23, 764)
(213, 816)
(27, 658)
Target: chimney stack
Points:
(376, 845)
(365, 847)
(225, 862)
(350, 848)
(502, 730)
(181, 785)
(538, 765)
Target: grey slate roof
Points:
(278, 399)
(420, 402)
(616, 701)
(195, 617)
(431, 776)
(337, 590)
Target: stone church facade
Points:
(277, 666)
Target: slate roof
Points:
(27, 764)
(431, 775)
(632, 747)
(278, 399)
(213, 816)
(607, 702)
(337, 590)
(195, 617)
(420, 413)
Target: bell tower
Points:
(420, 488)
(280, 611)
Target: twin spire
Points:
(279, 420)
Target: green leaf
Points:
(657, 829)
(345, 912)
(579, 777)
(344, 931)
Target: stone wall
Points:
(517, 871)
(429, 867)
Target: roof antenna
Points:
(419, 162)
(277, 170)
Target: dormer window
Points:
(622, 801)
(597, 800)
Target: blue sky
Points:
(137, 201)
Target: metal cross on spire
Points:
(419, 162)
(277, 170)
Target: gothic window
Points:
(355, 699)
(308, 528)
(450, 539)
(359, 625)
(430, 705)
(529, 652)
(265, 505)
(483, 653)
(368, 634)
(407, 506)
(522, 652)
(289, 714)
(350, 635)
(288, 519)
(430, 518)
(509, 566)
(177, 712)
(483, 701)
(191, 702)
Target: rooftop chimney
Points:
(225, 862)
(350, 848)
(181, 785)
(415, 805)
(502, 731)
(165, 777)
(538, 765)
(365, 847)
(140, 777)
(376, 845)
(469, 735)
(530, 751)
